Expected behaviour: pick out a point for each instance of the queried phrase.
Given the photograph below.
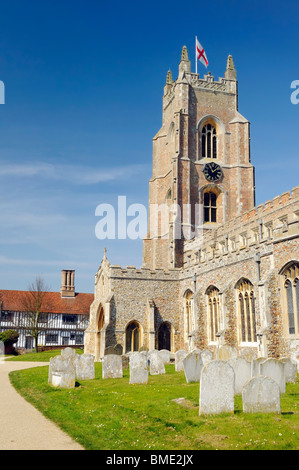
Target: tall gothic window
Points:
(210, 207)
(188, 312)
(291, 293)
(209, 141)
(246, 312)
(213, 317)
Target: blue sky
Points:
(83, 100)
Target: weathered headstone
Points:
(59, 364)
(165, 355)
(274, 369)
(68, 353)
(85, 369)
(138, 369)
(206, 356)
(242, 370)
(112, 367)
(217, 388)
(226, 352)
(290, 370)
(192, 366)
(249, 354)
(179, 357)
(261, 395)
(64, 378)
(255, 366)
(156, 366)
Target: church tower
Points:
(202, 175)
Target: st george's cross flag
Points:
(200, 54)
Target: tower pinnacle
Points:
(230, 72)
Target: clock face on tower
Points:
(212, 171)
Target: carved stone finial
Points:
(169, 80)
(184, 54)
(230, 72)
(105, 253)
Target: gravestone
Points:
(112, 366)
(274, 369)
(226, 352)
(255, 366)
(61, 363)
(68, 353)
(261, 395)
(217, 388)
(207, 356)
(138, 369)
(62, 371)
(192, 366)
(242, 370)
(156, 364)
(2, 352)
(290, 370)
(85, 369)
(64, 378)
(249, 354)
(179, 358)
(165, 355)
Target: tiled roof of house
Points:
(15, 300)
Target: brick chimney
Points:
(67, 288)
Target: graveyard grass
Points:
(113, 415)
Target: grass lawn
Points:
(111, 414)
(43, 356)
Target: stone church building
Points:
(227, 273)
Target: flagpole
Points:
(195, 55)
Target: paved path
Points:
(23, 427)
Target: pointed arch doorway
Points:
(164, 336)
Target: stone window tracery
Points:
(291, 294)
(246, 312)
(213, 313)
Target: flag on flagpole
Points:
(200, 54)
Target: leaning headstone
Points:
(226, 352)
(2, 352)
(217, 388)
(206, 356)
(242, 370)
(112, 367)
(138, 369)
(261, 395)
(156, 366)
(274, 369)
(179, 357)
(165, 355)
(193, 366)
(85, 369)
(290, 370)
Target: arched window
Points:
(209, 141)
(210, 207)
(132, 337)
(213, 313)
(246, 312)
(291, 294)
(188, 313)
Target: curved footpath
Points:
(23, 427)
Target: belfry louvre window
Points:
(291, 292)
(246, 312)
(210, 207)
(209, 141)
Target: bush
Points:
(9, 337)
